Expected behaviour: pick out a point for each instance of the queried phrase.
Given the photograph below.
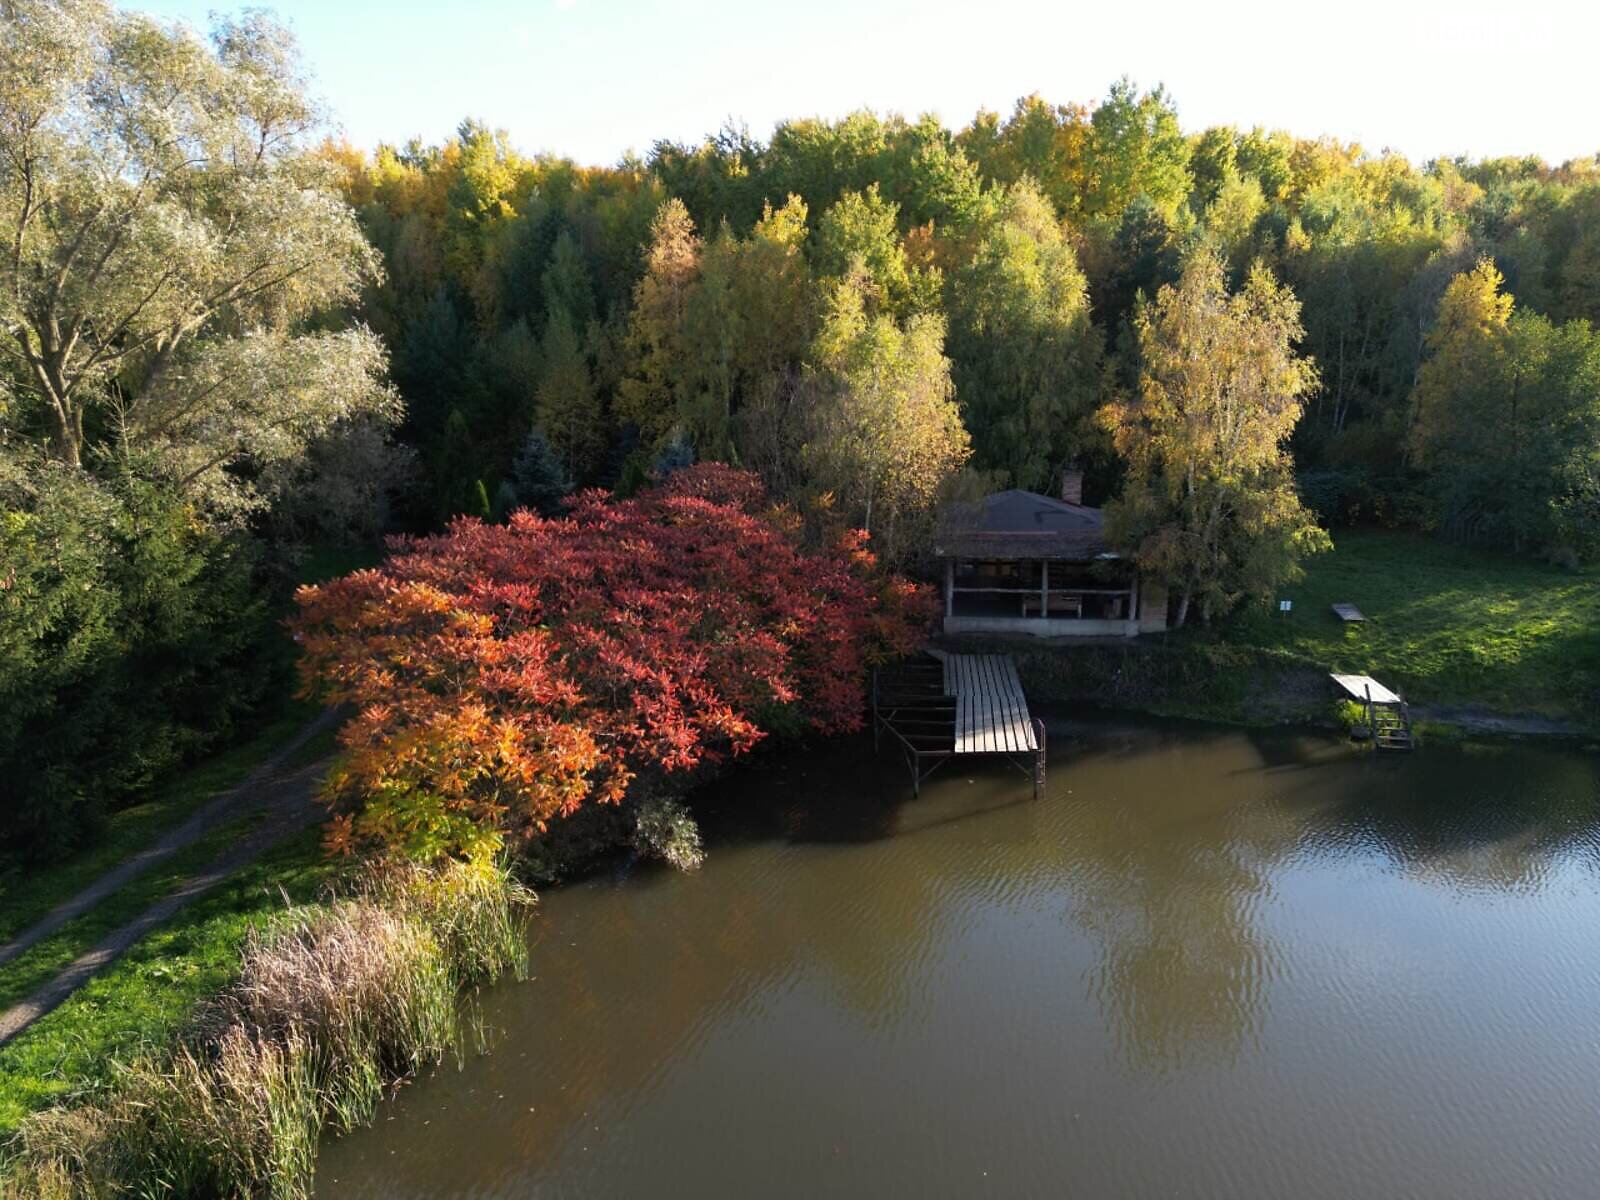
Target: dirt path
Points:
(214, 812)
(290, 804)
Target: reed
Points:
(333, 1004)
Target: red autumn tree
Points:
(503, 675)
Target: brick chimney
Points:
(1072, 484)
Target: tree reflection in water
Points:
(1161, 916)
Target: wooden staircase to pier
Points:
(1391, 727)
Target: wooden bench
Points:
(1066, 604)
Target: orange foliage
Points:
(506, 674)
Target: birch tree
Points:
(1210, 507)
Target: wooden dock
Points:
(991, 711)
(940, 706)
(1388, 714)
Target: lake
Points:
(1208, 963)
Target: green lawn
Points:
(1485, 635)
(145, 997)
(1446, 625)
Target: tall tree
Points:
(1026, 356)
(652, 392)
(166, 234)
(861, 234)
(884, 430)
(1210, 506)
(749, 323)
(1507, 421)
(1047, 142)
(568, 409)
(1136, 149)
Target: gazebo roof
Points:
(1016, 524)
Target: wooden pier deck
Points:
(991, 711)
(942, 705)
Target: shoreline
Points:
(1226, 683)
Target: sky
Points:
(593, 79)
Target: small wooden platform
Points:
(1358, 686)
(1388, 716)
(943, 705)
(1349, 612)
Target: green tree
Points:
(1507, 421)
(1232, 217)
(1027, 358)
(1210, 507)
(538, 479)
(1136, 148)
(884, 433)
(749, 323)
(481, 198)
(1046, 142)
(1214, 163)
(568, 408)
(1264, 157)
(168, 236)
(656, 386)
(566, 284)
(931, 179)
(130, 639)
(861, 234)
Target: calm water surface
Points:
(1208, 964)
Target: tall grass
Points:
(333, 1004)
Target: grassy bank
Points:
(1466, 634)
(148, 994)
(327, 1004)
(45, 959)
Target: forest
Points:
(742, 300)
(227, 340)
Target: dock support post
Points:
(1038, 758)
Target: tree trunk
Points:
(66, 438)
(1183, 609)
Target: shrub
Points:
(664, 829)
(1351, 714)
(503, 675)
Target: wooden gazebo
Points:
(1022, 562)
